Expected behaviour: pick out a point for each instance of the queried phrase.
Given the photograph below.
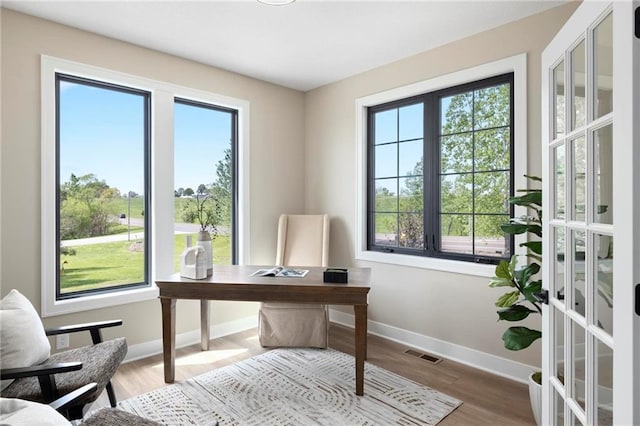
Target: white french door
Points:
(591, 189)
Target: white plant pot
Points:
(204, 240)
(535, 396)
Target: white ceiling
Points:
(303, 45)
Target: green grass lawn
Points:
(117, 263)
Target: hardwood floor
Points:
(487, 399)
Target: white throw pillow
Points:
(20, 412)
(23, 342)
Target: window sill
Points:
(91, 302)
(444, 265)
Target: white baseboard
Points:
(146, 349)
(493, 364)
(496, 365)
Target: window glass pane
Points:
(386, 126)
(386, 229)
(411, 195)
(456, 192)
(604, 284)
(411, 230)
(410, 163)
(456, 233)
(603, 196)
(578, 68)
(603, 61)
(456, 113)
(489, 238)
(492, 192)
(386, 195)
(456, 153)
(578, 281)
(492, 150)
(559, 181)
(558, 80)
(579, 179)
(203, 180)
(492, 107)
(386, 160)
(411, 122)
(101, 171)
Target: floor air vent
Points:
(431, 358)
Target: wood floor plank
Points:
(487, 399)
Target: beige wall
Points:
(276, 131)
(452, 307)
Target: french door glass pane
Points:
(560, 249)
(604, 286)
(579, 170)
(558, 88)
(604, 384)
(559, 164)
(578, 363)
(558, 409)
(559, 361)
(603, 196)
(578, 68)
(203, 137)
(603, 64)
(101, 171)
(578, 281)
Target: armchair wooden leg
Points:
(111, 394)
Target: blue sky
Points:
(102, 131)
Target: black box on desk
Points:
(336, 275)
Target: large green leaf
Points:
(501, 282)
(531, 289)
(521, 228)
(534, 246)
(531, 199)
(502, 270)
(508, 299)
(515, 313)
(522, 275)
(517, 338)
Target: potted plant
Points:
(522, 283)
(205, 210)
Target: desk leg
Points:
(169, 338)
(361, 345)
(204, 325)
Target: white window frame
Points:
(162, 200)
(516, 64)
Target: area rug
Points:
(294, 387)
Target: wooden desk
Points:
(234, 282)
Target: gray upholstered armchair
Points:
(303, 240)
(30, 372)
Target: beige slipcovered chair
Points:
(303, 240)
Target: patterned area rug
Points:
(294, 387)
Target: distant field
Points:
(121, 205)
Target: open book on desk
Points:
(280, 271)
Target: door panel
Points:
(590, 154)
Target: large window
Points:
(438, 163)
(122, 158)
(206, 179)
(102, 173)
(440, 172)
